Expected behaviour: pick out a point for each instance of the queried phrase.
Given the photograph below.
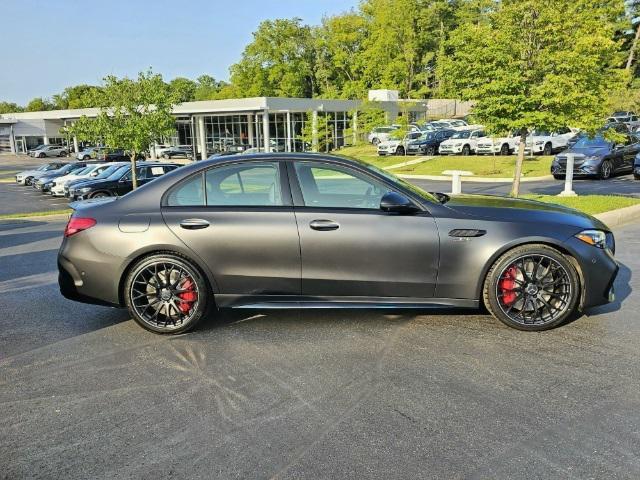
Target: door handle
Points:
(194, 224)
(324, 225)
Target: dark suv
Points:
(119, 182)
(429, 142)
(598, 157)
(116, 155)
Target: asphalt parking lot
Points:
(86, 393)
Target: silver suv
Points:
(49, 151)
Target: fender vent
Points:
(466, 233)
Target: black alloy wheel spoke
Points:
(542, 293)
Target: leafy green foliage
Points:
(323, 138)
(535, 64)
(133, 114)
(39, 104)
(368, 116)
(9, 107)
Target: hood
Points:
(521, 210)
(28, 173)
(92, 182)
(588, 151)
(390, 143)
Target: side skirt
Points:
(301, 302)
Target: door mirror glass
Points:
(397, 203)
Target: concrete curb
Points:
(442, 178)
(618, 217)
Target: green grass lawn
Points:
(480, 165)
(67, 211)
(591, 204)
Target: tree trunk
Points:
(515, 189)
(632, 50)
(134, 176)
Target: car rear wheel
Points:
(533, 288)
(166, 293)
(548, 149)
(430, 150)
(605, 170)
(466, 150)
(504, 149)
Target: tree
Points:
(535, 64)
(39, 104)
(320, 135)
(368, 116)
(184, 89)
(278, 62)
(133, 114)
(208, 88)
(9, 107)
(79, 96)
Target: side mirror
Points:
(397, 203)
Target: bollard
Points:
(456, 179)
(568, 178)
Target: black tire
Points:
(504, 150)
(86, 157)
(41, 155)
(28, 180)
(137, 294)
(165, 156)
(430, 151)
(548, 149)
(466, 150)
(400, 150)
(605, 171)
(558, 177)
(375, 141)
(531, 271)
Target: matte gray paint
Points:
(248, 253)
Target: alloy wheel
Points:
(534, 290)
(164, 295)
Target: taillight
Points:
(78, 224)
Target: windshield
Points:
(426, 136)
(84, 171)
(67, 168)
(109, 171)
(117, 174)
(596, 142)
(539, 133)
(461, 135)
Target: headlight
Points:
(84, 190)
(592, 159)
(597, 238)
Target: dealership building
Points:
(263, 123)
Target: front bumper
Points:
(487, 149)
(598, 271)
(580, 171)
(450, 149)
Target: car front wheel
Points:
(166, 293)
(605, 170)
(466, 150)
(533, 287)
(400, 151)
(548, 149)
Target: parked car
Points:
(183, 151)
(547, 143)
(462, 142)
(397, 147)
(33, 150)
(227, 232)
(26, 177)
(429, 142)
(90, 152)
(598, 157)
(92, 170)
(45, 182)
(160, 149)
(636, 167)
(119, 182)
(497, 145)
(49, 151)
(380, 134)
(116, 155)
(113, 167)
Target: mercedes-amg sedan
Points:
(306, 230)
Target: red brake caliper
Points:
(188, 297)
(507, 284)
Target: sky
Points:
(48, 45)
